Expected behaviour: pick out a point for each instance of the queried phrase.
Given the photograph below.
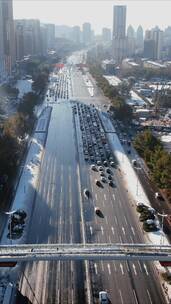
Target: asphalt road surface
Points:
(56, 217)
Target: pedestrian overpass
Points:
(47, 252)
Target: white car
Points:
(86, 193)
(103, 297)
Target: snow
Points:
(24, 196)
(24, 87)
(135, 189)
(113, 80)
(135, 99)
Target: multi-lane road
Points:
(62, 214)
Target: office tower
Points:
(50, 35)
(43, 39)
(149, 48)
(7, 39)
(106, 34)
(157, 36)
(119, 37)
(19, 39)
(76, 34)
(140, 39)
(87, 34)
(130, 41)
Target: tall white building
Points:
(157, 36)
(130, 41)
(140, 39)
(119, 32)
(87, 33)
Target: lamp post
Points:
(10, 218)
(162, 216)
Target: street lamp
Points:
(162, 216)
(10, 218)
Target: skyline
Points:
(59, 12)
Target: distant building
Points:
(7, 38)
(50, 32)
(149, 48)
(139, 39)
(109, 66)
(87, 33)
(127, 63)
(153, 65)
(130, 41)
(76, 34)
(153, 44)
(119, 32)
(106, 34)
(19, 39)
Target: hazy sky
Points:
(98, 13)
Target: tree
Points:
(28, 103)
(15, 126)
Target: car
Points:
(102, 173)
(103, 179)
(93, 167)
(86, 193)
(159, 196)
(111, 184)
(108, 170)
(97, 211)
(99, 163)
(105, 163)
(112, 164)
(110, 177)
(100, 168)
(98, 183)
(103, 297)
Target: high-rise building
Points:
(140, 39)
(87, 33)
(76, 34)
(50, 35)
(119, 35)
(19, 39)
(130, 41)
(157, 36)
(106, 34)
(149, 48)
(7, 39)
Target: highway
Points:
(60, 209)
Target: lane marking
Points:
(110, 239)
(149, 296)
(123, 230)
(140, 266)
(108, 267)
(135, 296)
(120, 293)
(133, 231)
(91, 230)
(134, 268)
(116, 220)
(132, 241)
(106, 220)
(120, 239)
(114, 266)
(113, 196)
(121, 267)
(96, 196)
(95, 267)
(102, 265)
(127, 266)
(125, 220)
(145, 268)
(113, 230)
(102, 230)
(105, 197)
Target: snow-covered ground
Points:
(113, 80)
(24, 87)
(136, 191)
(24, 197)
(135, 99)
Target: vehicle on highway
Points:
(103, 297)
(86, 193)
(108, 170)
(93, 167)
(98, 212)
(100, 168)
(112, 164)
(111, 183)
(103, 179)
(98, 183)
(159, 196)
(110, 177)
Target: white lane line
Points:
(95, 267)
(123, 230)
(108, 267)
(125, 220)
(91, 230)
(120, 293)
(120, 239)
(133, 231)
(132, 241)
(114, 266)
(72, 295)
(106, 220)
(121, 267)
(113, 230)
(140, 266)
(145, 268)
(102, 265)
(116, 221)
(105, 197)
(110, 241)
(134, 268)
(135, 296)
(113, 196)
(149, 296)
(96, 196)
(102, 229)
(58, 294)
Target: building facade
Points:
(87, 33)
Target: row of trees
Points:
(121, 110)
(157, 159)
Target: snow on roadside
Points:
(25, 192)
(24, 87)
(136, 190)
